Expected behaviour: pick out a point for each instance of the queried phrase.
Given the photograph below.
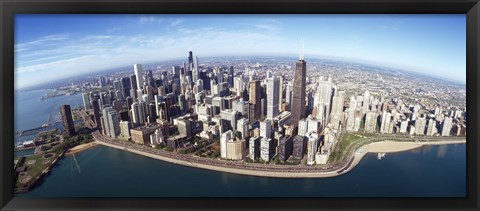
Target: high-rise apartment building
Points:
(67, 120)
(86, 101)
(446, 126)
(255, 98)
(138, 76)
(273, 89)
(110, 120)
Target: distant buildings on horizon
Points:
(252, 117)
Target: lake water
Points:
(31, 112)
(429, 171)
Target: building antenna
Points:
(303, 49)
(300, 58)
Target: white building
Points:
(420, 124)
(312, 146)
(266, 149)
(302, 127)
(111, 123)
(242, 126)
(266, 129)
(273, 89)
(125, 128)
(403, 126)
(446, 126)
(86, 100)
(226, 136)
(157, 137)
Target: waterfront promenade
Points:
(353, 157)
(265, 170)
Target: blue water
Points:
(31, 112)
(429, 171)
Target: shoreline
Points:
(388, 146)
(80, 148)
(384, 146)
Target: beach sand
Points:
(80, 148)
(393, 146)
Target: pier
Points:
(23, 148)
(32, 131)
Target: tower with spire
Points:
(299, 89)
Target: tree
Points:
(276, 160)
(238, 134)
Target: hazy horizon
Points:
(63, 46)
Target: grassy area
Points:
(345, 140)
(53, 143)
(34, 170)
(212, 151)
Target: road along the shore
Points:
(385, 146)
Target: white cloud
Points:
(269, 27)
(99, 52)
(388, 27)
(176, 22)
(54, 38)
(146, 19)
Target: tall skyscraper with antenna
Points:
(299, 88)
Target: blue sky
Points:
(51, 47)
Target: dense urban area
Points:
(262, 114)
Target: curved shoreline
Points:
(80, 148)
(390, 147)
(385, 146)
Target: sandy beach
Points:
(392, 146)
(385, 146)
(80, 148)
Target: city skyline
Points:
(434, 44)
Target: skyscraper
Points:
(323, 99)
(420, 124)
(138, 75)
(190, 60)
(86, 101)
(338, 101)
(68, 126)
(139, 113)
(370, 122)
(133, 82)
(266, 129)
(299, 145)
(366, 102)
(266, 149)
(110, 120)
(313, 140)
(254, 147)
(96, 111)
(446, 126)
(288, 94)
(299, 88)
(273, 88)
(255, 99)
(280, 92)
(431, 127)
(195, 70)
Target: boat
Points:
(381, 155)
